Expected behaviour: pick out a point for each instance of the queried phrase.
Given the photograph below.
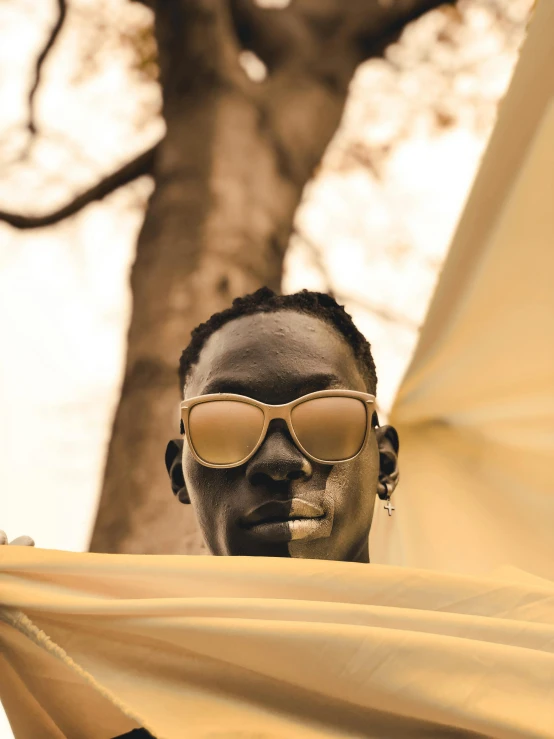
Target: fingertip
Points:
(22, 541)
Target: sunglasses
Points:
(329, 426)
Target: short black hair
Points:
(265, 300)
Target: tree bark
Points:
(229, 176)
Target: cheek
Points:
(354, 484)
(210, 490)
(369, 464)
(200, 484)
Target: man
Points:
(281, 501)
(298, 480)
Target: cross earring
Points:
(389, 507)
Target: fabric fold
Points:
(242, 647)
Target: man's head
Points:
(275, 349)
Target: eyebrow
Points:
(305, 385)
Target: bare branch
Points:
(275, 35)
(317, 257)
(363, 303)
(311, 49)
(377, 310)
(321, 33)
(395, 16)
(54, 33)
(141, 165)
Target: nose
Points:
(278, 460)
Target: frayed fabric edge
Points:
(23, 624)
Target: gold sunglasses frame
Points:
(272, 412)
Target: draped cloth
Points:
(475, 411)
(92, 645)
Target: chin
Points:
(320, 549)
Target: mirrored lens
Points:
(224, 431)
(332, 429)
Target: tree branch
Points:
(275, 35)
(319, 263)
(141, 165)
(379, 311)
(314, 31)
(311, 49)
(374, 38)
(54, 33)
(363, 303)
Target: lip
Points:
(287, 520)
(275, 511)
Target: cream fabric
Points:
(475, 412)
(265, 647)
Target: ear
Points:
(388, 444)
(174, 466)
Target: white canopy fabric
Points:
(475, 412)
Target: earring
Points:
(389, 507)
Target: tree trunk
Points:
(229, 176)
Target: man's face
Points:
(276, 358)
